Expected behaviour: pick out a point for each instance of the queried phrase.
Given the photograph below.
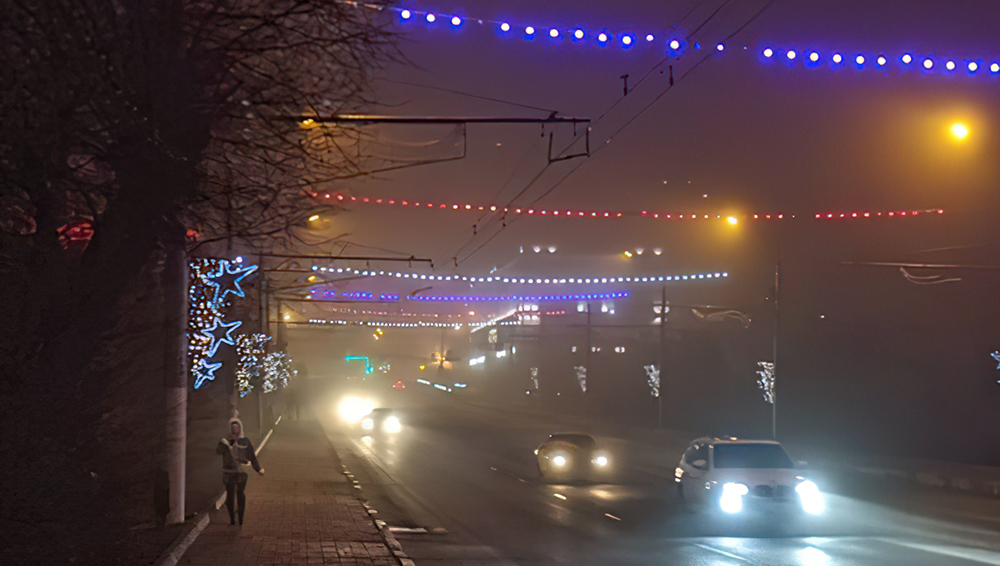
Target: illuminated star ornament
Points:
(996, 356)
(220, 333)
(226, 279)
(205, 372)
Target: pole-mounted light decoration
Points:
(653, 379)
(581, 376)
(766, 381)
(996, 357)
(533, 371)
(277, 372)
(205, 372)
(251, 352)
(218, 334)
(226, 278)
(368, 364)
(211, 285)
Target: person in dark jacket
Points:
(237, 458)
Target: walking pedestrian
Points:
(237, 458)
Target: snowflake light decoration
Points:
(250, 352)
(653, 379)
(766, 381)
(277, 371)
(581, 376)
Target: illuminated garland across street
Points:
(626, 39)
(675, 45)
(878, 61)
(508, 280)
(377, 324)
(534, 298)
(651, 214)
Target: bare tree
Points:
(125, 127)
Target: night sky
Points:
(870, 359)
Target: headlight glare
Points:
(353, 409)
(559, 460)
(601, 461)
(810, 497)
(367, 424)
(392, 424)
(732, 497)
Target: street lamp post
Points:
(663, 334)
(774, 353)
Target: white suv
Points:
(735, 475)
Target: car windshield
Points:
(581, 440)
(751, 456)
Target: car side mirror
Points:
(700, 464)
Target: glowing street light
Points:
(960, 131)
(732, 220)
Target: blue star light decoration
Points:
(226, 278)
(996, 357)
(205, 372)
(220, 333)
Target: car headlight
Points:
(367, 424)
(601, 461)
(732, 497)
(810, 497)
(559, 460)
(353, 409)
(392, 424)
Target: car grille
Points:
(772, 492)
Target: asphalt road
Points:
(458, 485)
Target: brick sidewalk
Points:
(303, 511)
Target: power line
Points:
(616, 132)
(470, 95)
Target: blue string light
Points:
(627, 39)
(533, 298)
(676, 46)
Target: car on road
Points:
(738, 476)
(571, 456)
(381, 420)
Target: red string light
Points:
(563, 213)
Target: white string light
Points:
(520, 280)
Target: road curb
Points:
(391, 542)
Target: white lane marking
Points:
(408, 530)
(967, 553)
(610, 516)
(722, 552)
(560, 496)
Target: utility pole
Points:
(586, 366)
(774, 354)
(174, 280)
